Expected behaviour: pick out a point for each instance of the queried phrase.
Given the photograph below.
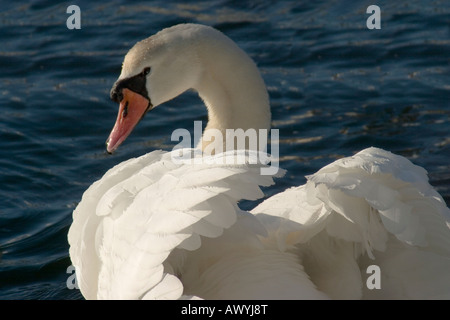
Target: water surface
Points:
(335, 86)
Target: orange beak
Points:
(131, 110)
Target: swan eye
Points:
(146, 71)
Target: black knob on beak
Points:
(116, 92)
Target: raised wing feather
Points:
(129, 222)
(367, 209)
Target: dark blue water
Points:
(335, 86)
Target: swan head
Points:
(190, 56)
(155, 70)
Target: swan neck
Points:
(233, 90)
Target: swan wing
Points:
(129, 221)
(374, 208)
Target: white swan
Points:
(154, 229)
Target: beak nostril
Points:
(125, 110)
